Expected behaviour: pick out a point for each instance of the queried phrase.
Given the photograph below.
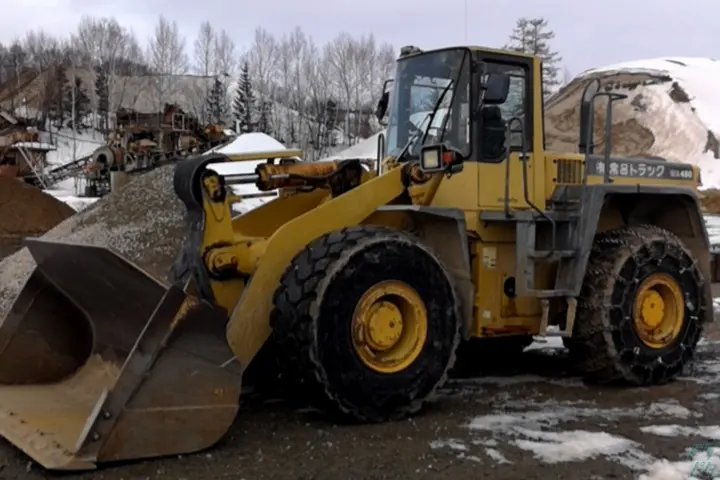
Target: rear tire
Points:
(315, 310)
(607, 344)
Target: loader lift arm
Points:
(231, 261)
(211, 250)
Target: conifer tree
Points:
(244, 102)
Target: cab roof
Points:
(472, 48)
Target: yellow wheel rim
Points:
(658, 311)
(389, 327)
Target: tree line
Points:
(307, 95)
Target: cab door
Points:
(501, 175)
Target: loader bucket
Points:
(100, 362)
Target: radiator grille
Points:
(569, 171)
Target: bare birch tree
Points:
(167, 58)
(43, 51)
(263, 58)
(226, 58)
(204, 63)
(105, 47)
(204, 50)
(341, 62)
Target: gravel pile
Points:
(27, 210)
(143, 221)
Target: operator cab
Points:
(461, 97)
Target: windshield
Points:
(419, 84)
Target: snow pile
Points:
(710, 432)
(572, 446)
(672, 110)
(703, 463)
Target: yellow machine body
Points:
(101, 362)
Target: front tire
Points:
(368, 321)
(642, 308)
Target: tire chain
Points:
(601, 267)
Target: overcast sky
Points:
(588, 34)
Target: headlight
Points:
(430, 159)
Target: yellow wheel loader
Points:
(368, 281)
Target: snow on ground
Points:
(710, 432)
(535, 427)
(701, 465)
(70, 146)
(580, 427)
(70, 191)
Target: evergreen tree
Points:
(216, 106)
(264, 123)
(102, 90)
(60, 86)
(244, 101)
(533, 36)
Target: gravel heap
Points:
(27, 210)
(143, 221)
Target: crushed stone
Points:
(144, 222)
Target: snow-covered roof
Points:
(35, 146)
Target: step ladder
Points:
(560, 250)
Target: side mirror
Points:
(496, 87)
(382, 106)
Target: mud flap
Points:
(101, 362)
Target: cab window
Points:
(494, 119)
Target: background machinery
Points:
(367, 282)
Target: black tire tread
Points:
(592, 344)
(294, 324)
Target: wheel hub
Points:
(384, 327)
(389, 327)
(653, 309)
(658, 311)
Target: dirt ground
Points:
(530, 420)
